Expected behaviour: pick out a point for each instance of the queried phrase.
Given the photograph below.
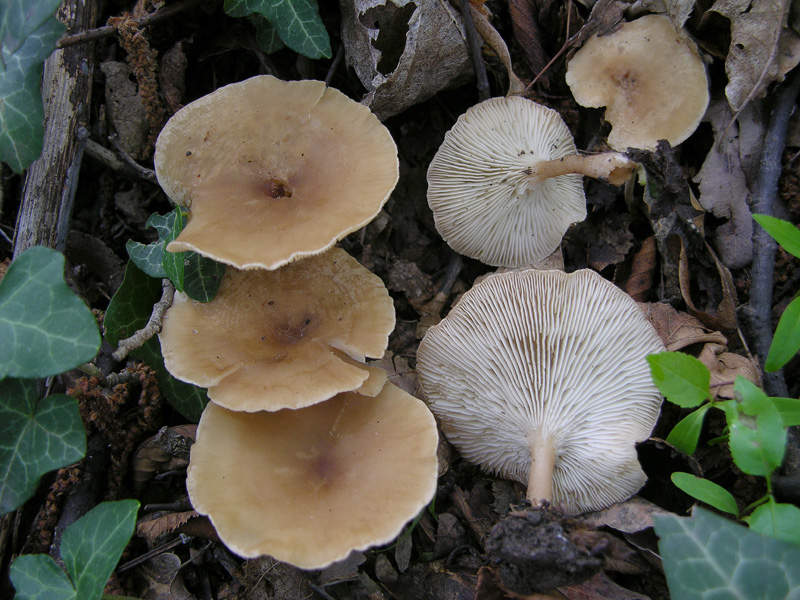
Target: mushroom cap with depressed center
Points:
(649, 77)
(273, 171)
(284, 338)
(485, 203)
(549, 361)
(308, 486)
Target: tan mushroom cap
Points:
(649, 77)
(485, 203)
(541, 377)
(284, 338)
(273, 171)
(308, 486)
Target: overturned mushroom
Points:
(506, 183)
(541, 377)
(308, 486)
(284, 338)
(273, 171)
(650, 78)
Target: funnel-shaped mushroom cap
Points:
(649, 77)
(552, 365)
(485, 203)
(308, 486)
(273, 171)
(284, 338)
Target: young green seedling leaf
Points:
(708, 552)
(28, 34)
(786, 341)
(682, 379)
(297, 22)
(757, 437)
(783, 232)
(706, 491)
(90, 548)
(686, 433)
(778, 520)
(36, 436)
(788, 409)
(45, 329)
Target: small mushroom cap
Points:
(273, 170)
(544, 355)
(284, 338)
(649, 77)
(308, 486)
(484, 202)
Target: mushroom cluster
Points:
(304, 452)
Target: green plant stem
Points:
(765, 498)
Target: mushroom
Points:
(273, 171)
(284, 338)
(308, 486)
(541, 377)
(506, 183)
(650, 78)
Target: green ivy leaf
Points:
(267, 36)
(757, 437)
(90, 548)
(707, 556)
(21, 108)
(297, 22)
(786, 341)
(682, 379)
(202, 276)
(706, 491)
(45, 329)
(686, 433)
(150, 258)
(778, 520)
(783, 232)
(129, 311)
(788, 409)
(173, 261)
(35, 437)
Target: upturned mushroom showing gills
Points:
(284, 338)
(650, 78)
(541, 377)
(308, 486)
(273, 171)
(506, 182)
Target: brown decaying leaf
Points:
(677, 10)
(525, 24)
(406, 276)
(600, 587)
(721, 317)
(166, 451)
(677, 329)
(491, 588)
(152, 527)
(725, 367)
(172, 76)
(635, 514)
(643, 270)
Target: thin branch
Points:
(335, 64)
(138, 339)
(147, 174)
(474, 48)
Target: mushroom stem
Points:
(543, 460)
(612, 167)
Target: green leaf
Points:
(706, 491)
(757, 437)
(783, 232)
(149, 258)
(90, 548)
(267, 36)
(19, 19)
(297, 22)
(707, 557)
(21, 108)
(788, 409)
(35, 438)
(778, 520)
(682, 379)
(129, 311)
(173, 261)
(45, 329)
(786, 341)
(686, 433)
(202, 277)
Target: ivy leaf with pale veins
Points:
(267, 36)
(150, 258)
(707, 556)
(45, 329)
(201, 276)
(21, 108)
(297, 22)
(19, 19)
(35, 437)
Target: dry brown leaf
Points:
(490, 588)
(721, 317)
(635, 514)
(600, 587)
(677, 10)
(399, 373)
(725, 367)
(643, 270)
(152, 527)
(677, 329)
(405, 276)
(166, 451)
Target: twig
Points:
(335, 64)
(181, 539)
(107, 30)
(138, 339)
(474, 48)
(495, 41)
(147, 174)
(567, 42)
(764, 247)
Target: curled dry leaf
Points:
(152, 527)
(726, 367)
(403, 52)
(643, 270)
(678, 329)
(723, 315)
